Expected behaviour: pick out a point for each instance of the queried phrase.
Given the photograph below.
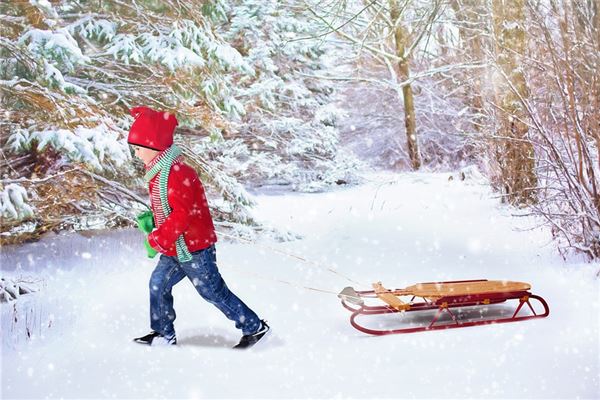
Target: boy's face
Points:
(143, 153)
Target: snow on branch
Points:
(93, 146)
(57, 45)
(14, 202)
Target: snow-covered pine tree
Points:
(289, 132)
(69, 73)
(71, 70)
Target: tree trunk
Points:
(516, 154)
(400, 37)
(470, 14)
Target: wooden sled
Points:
(473, 297)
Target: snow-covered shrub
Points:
(14, 202)
(330, 114)
(11, 289)
(471, 173)
(342, 171)
(25, 313)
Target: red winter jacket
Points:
(189, 212)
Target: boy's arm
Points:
(180, 195)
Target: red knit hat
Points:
(152, 129)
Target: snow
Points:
(229, 56)
(398, 229)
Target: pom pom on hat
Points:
(152, 129)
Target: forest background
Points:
(303, 95)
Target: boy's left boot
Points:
(156, 339)
(250, 340)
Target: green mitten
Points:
(145, 222)
(149, 249)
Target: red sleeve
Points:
(180, 195)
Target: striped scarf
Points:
(163, 165)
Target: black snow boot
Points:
(156, 339)
(250, 340)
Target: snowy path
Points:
(415, 228)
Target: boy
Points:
(184, 233)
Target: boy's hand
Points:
(149, 249)
(145, 222)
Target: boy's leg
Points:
(166, 274)
(203, 272)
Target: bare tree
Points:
(401, 42)
(564, 114)
(381, 37)
(472, 20)
(514, 152)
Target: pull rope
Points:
(291, 255)
(253, 274)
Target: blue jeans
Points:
(202, 271)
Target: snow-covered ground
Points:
(398, 229)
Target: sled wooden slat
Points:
(389, 298)
(443, 289)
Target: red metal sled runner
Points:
(474, 297)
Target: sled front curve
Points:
(443, 298)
